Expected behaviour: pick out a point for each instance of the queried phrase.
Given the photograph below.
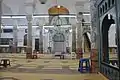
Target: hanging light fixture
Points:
(58, 6)
(43, 1)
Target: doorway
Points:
(37, 44)
(59, 42)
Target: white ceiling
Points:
(18, 7)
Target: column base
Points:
(29, 53)
(94, 61)
(14, 50)
(28, 56)
(79, 53)
(79, 56)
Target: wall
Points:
(35, 34)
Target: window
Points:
(26, 30)
(100, 10)
(5, 41)
(109, 3)
(7, 30)
(25, 40)
(113, 1)
(105, 6)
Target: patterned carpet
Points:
(44, 68)
(56, 66)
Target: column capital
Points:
(29, 18)
(79, 17)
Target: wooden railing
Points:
(111, 72)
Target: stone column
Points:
(118, 30)
(94, 50)
(79, 36)
(15, 40)
(29, 37)
(74, 38)
(0, 20)
(41, 40)
(83, 44)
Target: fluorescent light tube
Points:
(86, 14)
(19, 17)
(5, 17)
(14, 17)
(66, 26)
(48, 26)
(40, 16)
(67, 16)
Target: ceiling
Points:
(24, 7)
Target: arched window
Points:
(109, 3)
(58, 37)
(113, 1)
(105, 6)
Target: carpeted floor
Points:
(44, 69)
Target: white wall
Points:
(21, 33)
(35, 34)
(6, 35)
(112, 32)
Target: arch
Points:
(59, 37)
(106, 23)
(25, 40)
(87, 43)
(86, 31)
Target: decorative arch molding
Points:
(103, 41)
(106, 23)
(59, 37)
(87, 42)
(86, 31)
